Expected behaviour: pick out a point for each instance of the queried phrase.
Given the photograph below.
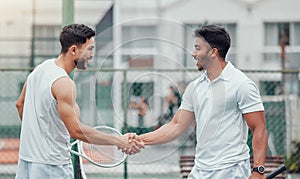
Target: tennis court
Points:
(142, 48)
(158, 161)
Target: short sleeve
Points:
(248, 98)
(187, 102)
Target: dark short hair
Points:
(216, 37)
(74, 34)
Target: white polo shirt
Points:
(219, 106)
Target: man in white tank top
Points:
(50, 115)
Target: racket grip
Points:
(76, 153)
(280, 169)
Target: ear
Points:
(73, 49)
(214, 52)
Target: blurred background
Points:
(143, 58)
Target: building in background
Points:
(149, 35)
(254, 25)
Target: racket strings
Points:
(99, 154)
(103, 154)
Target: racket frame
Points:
(82, 154)
(276, 172)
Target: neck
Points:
(215, 69)
(64, 62)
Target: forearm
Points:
(20, 110)
(259, 145)
(170, 131)
(164, 134)
(159, 136)
(20, 102)
(91, 135)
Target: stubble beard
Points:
(200, 68)
(81, 64)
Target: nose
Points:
(193, 55)
(92, 55)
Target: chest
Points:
(215, 96)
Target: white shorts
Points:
(30, 170)
(241, 170)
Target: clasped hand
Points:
(134, 144)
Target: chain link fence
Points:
(141, 100)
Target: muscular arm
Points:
(20, 102)
(170, 131)
(65, 93)
(257, 123)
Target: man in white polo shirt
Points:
(223, 102)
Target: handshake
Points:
(130, 143)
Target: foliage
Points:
(293, 161)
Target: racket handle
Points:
(280, 169)
(76, 153)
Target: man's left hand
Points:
(255, 175)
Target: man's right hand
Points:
(135, 144)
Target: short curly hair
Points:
(74, 34)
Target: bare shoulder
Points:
(63, 81)
(63, 87)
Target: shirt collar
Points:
(204, 76)
(225, 74)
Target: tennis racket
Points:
(278, 170)
(80, 170)
(106, 156)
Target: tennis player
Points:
(223, 102)
(50, 115)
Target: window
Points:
(276, 31)
(296, 33)
(139, 61)
(46, 42)
(138, 36)
(138, 46)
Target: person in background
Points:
(173, 100)
(142, 106)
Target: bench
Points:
(9, 151)
(186, 164)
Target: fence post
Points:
(125, 103)
(68, 18)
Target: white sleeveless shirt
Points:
(44, 137)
